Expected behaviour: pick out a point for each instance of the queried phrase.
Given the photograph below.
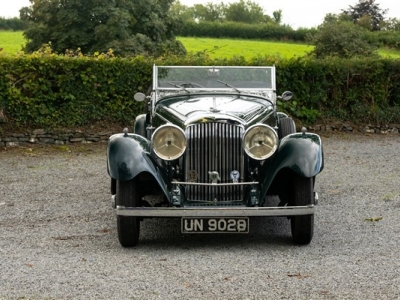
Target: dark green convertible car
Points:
(213, 144)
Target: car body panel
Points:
(129, 155)
(299, 152)
(186, 110)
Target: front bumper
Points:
(172, 212)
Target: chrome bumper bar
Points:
(215, 211)
(215, 184)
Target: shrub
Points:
(342, 39)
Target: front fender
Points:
(128, 155)
(125, 157)
(300, 152)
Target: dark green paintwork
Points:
(244, 109)
(300, 152)
(129, 155)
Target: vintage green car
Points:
(213, 144)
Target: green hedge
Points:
(360, 90)
(62, 91)
(270, 31)
(15, 24)
(237, 30)
(385, 38)
(46, 90)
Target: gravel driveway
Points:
(58, 236)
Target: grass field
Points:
(387, 52)
(12, 42)
(246, 48)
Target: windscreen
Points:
(211, 78)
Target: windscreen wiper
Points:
(179, 86)
(228, 85)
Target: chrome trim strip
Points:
(211, 118)
(214, 184)
(216, 67)
(216, 211)
(162, 118)
(273, 78)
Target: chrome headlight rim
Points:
(176, 130)
(273, 136)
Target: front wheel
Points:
(303, 226)
(127, 194)
(286, 127)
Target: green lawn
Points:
(390, 53)
(245, 48)
(12, 42)
(251, 48)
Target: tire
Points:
(303, 194)
(113, 187)
(286, 127)
(128, 227)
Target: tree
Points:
(182, 12)
(277, 16)
(342, 39)
(364, 9)
(210, 12)
(391, 24)
(129, 27)
(245, 12)
(333, 18)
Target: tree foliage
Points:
(342, 39)
(209, 12)
(367, 13)
(277, 16)
(242, 11)
(391, 24)
(14, 24)
(129, 27)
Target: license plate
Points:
(215, 225)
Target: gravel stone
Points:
(58, 237)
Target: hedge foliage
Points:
(54, 90)
(47, 90)
(271, 31)
(15, 24)
(385, 38)
(360, 90)
(265, 31)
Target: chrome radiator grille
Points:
(213, 147)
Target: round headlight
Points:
(169, 142)
(260, 141)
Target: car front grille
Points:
(213, 147)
